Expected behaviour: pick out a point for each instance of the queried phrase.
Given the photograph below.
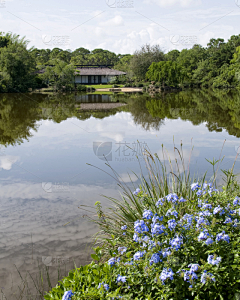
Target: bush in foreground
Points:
(181, 249)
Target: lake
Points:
(53, 152)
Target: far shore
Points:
(126, 90)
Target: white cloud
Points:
(7, 161)
(167, 3)
(116, 21)
(117, 136)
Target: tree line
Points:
(216, 65)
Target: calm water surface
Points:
(46, 142)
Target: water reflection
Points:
(20, 113)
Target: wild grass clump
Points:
(164, 176)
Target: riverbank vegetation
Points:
(169, 238)
(216, 65)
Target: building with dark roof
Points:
(95, 75)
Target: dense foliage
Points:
(16, 65)
(167, 72)
(217, 65)
(179, 249)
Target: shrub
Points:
(179, 249)
(81, 88)
(69, 87)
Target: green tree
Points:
(16, 65)
(41, 56)
(143, 58)
(61, 74)
(189, 59)
(166, 72)
(124, 65)
(80, 51)
(172, 55)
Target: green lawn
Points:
(103, 86)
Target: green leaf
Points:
(94, 256)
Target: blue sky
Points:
(121, 26)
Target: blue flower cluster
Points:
(105, 285)
(214, 261)
(207, 276)
(161, 237)
(122, 250)
(121, 278)
(67, 295)
(166, 274)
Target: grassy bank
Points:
(168, 238)
(103, 86)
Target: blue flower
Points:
(205, 276)
(222, 237)
(235, 224)
(121, 250)
(182, 200)
(112, 261)
(147, 214)
(194, 267)
(105, 285)
(156, 218)
(217, 209)
(188, 218)
(213, 261)
(203, 236)
(209, 241)
(176, 243)
(157, 229)
(172, 198)
(172, 224)
(228, 220)
(146, 238)
(137, 192)
(166, 273)
(140, 226)
(199, 193)
(205, 185)
(124, 227)
(236, 201)
(166, 252)
(160, 202)
(121, 278)
(138, 255)
(172, 213)
(189, 275)
(194, 186)
(155, 258)
(207, 206)
(136, 238)
(67, 295)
